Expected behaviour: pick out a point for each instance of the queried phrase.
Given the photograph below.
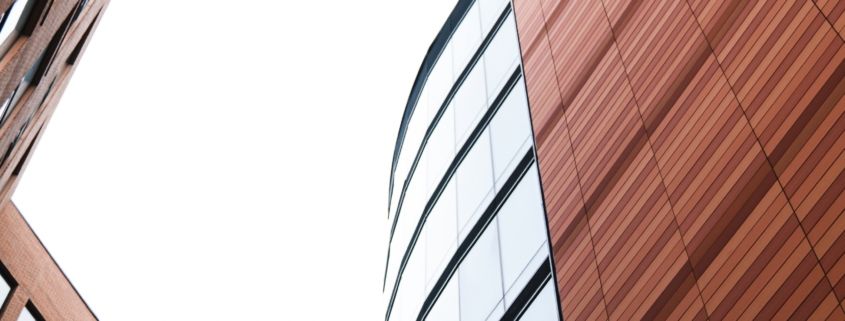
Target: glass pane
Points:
(475, 183)
(442, 234)
(411, 293)
(490, 12)
(440, 150)
(446, 308)
(523, 227)
(544, 307)
(481, 277)
(469, 104)
(511, 133)
(466, 39)
(501, 57)
(439, 82)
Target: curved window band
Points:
(461, 154)
(435, 120)
(475, 233)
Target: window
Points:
(481, 277)
(522, 229)
(544, 307)
(475, 183)
(30, 313)
(510, 132)
(447, 307)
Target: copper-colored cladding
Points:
(39, 279)
(692, 155)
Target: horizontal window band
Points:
(475, 233)
(529, 292)
(431, 57)
(462, 6)
(435, 121)
(461, 154)
(476, 57)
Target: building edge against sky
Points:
(40, 44)
(686, 160)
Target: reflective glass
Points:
(501, 57)
(439, 82)
(544, 307)
(523, 226)
(469, 104)
(440, 150)
(446, 308)
(442, 232)
(481, 277)
(466, 39)
(511, 133)
(475, 183)
(411, 289)
(408, 219)
(490, 12)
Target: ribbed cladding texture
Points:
(692, 155)
(39, 278)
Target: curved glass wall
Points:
(468, 234)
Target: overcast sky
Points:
(219, 160)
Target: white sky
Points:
(220, 160)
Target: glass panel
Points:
(469, 104)
(501, 57)
(411, 295)
(481, 277)
(544, 307)
(511, 133)
(466, 39)
(446, 308)
(439, 82)
(523, 226)
(490, 12)
(443, 234)
(409, 217)
(475, 183)
(440, 150)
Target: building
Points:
(40, 44)
(623, 160)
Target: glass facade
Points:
(468, 236)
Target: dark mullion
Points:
(529, 292)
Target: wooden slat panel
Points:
(834, 10)
(786, 64)
(574, 257)
(691, 160)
